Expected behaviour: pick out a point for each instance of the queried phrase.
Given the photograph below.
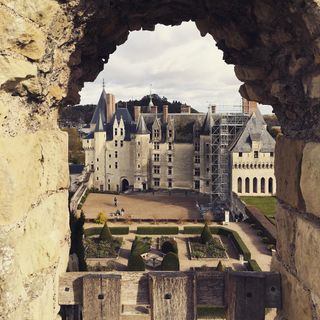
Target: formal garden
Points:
(206, 246)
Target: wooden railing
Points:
(170, 295)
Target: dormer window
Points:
(115, 131)
(170, 133)
(115, 143)
(156, 133)
(156, 146)
(121, 131)
(256, 154)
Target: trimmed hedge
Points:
(157, 230)
(170, 262)
(240, 245)
(169, 246)
(136, 263)
(140, 246)
(253, 265)
(206, 235)
(114, 231)
(105, 234)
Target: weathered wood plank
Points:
(172, 296)
(245, 296)
(209, 288)
(101, 297)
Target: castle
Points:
(176, 150)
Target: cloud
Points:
(177, 61)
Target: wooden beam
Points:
(172, 296)
(209, 287)
(101, 297)
(245, 296)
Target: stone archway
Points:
(124, 185)
(49, 48)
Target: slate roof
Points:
(100, 126)
(141, 126)
(100, 109)
(254, 130)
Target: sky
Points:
(174, 62)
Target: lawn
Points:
(267, 205)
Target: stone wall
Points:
(50, 47)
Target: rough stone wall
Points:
(50, 47)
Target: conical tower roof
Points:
(100, 125)
(100, 109)
(141, 126)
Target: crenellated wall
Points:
(48, 48)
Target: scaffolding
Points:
(224, 130)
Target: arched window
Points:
(267, 166)
(255, 185)
(255, 166)
(236, 166)
(247, 185)
(259, 166)
(271, 166)
(263, 185)
(263, 166)
(247, 166)
(251, 166)
(239, 185)
(270, 187)
(243, 166)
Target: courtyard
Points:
(144, 206)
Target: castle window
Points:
(92, 167)
(240, 154)
(247, 185)
(197, 147)
(121, 143)
(110, 155)
(169, 183)
(121, 131)
(156, 169)
(156, 182)
(87, 141)
(97, 168)
(116, 165)
(267, 166)
(116, 154)
(197, 171)
(263, 185)
(236, 166)
(271, 154)
(138, 155)
(169, 171)
(138, 179)
(156, 133)
(170, 146)
(138, 166)
(197, 184)
(169, 158)
(270, 185)
(138, 143)
(109, 166)
(256, 154)
(156, 157)
(97, 159)
(255, 185)
(115, 131)
(207, 183)
(170, 133)
(239, 185)
(197, 159)
(97, 178)
(115, 143)
(156, 146)
(208, 169)
(109, 187)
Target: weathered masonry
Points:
(170, 295)
(50, 47)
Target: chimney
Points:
(137, 112)
(185, 109)
(154, 109)
(248, 106)
(165, 113)
(110, 107)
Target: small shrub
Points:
(220, 267)
(170, 262)
(136, 263)
(101, 218)
(105, 234)
(169, 246)
(206, 235)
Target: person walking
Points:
(115, 201)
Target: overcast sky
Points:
(178, 64)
